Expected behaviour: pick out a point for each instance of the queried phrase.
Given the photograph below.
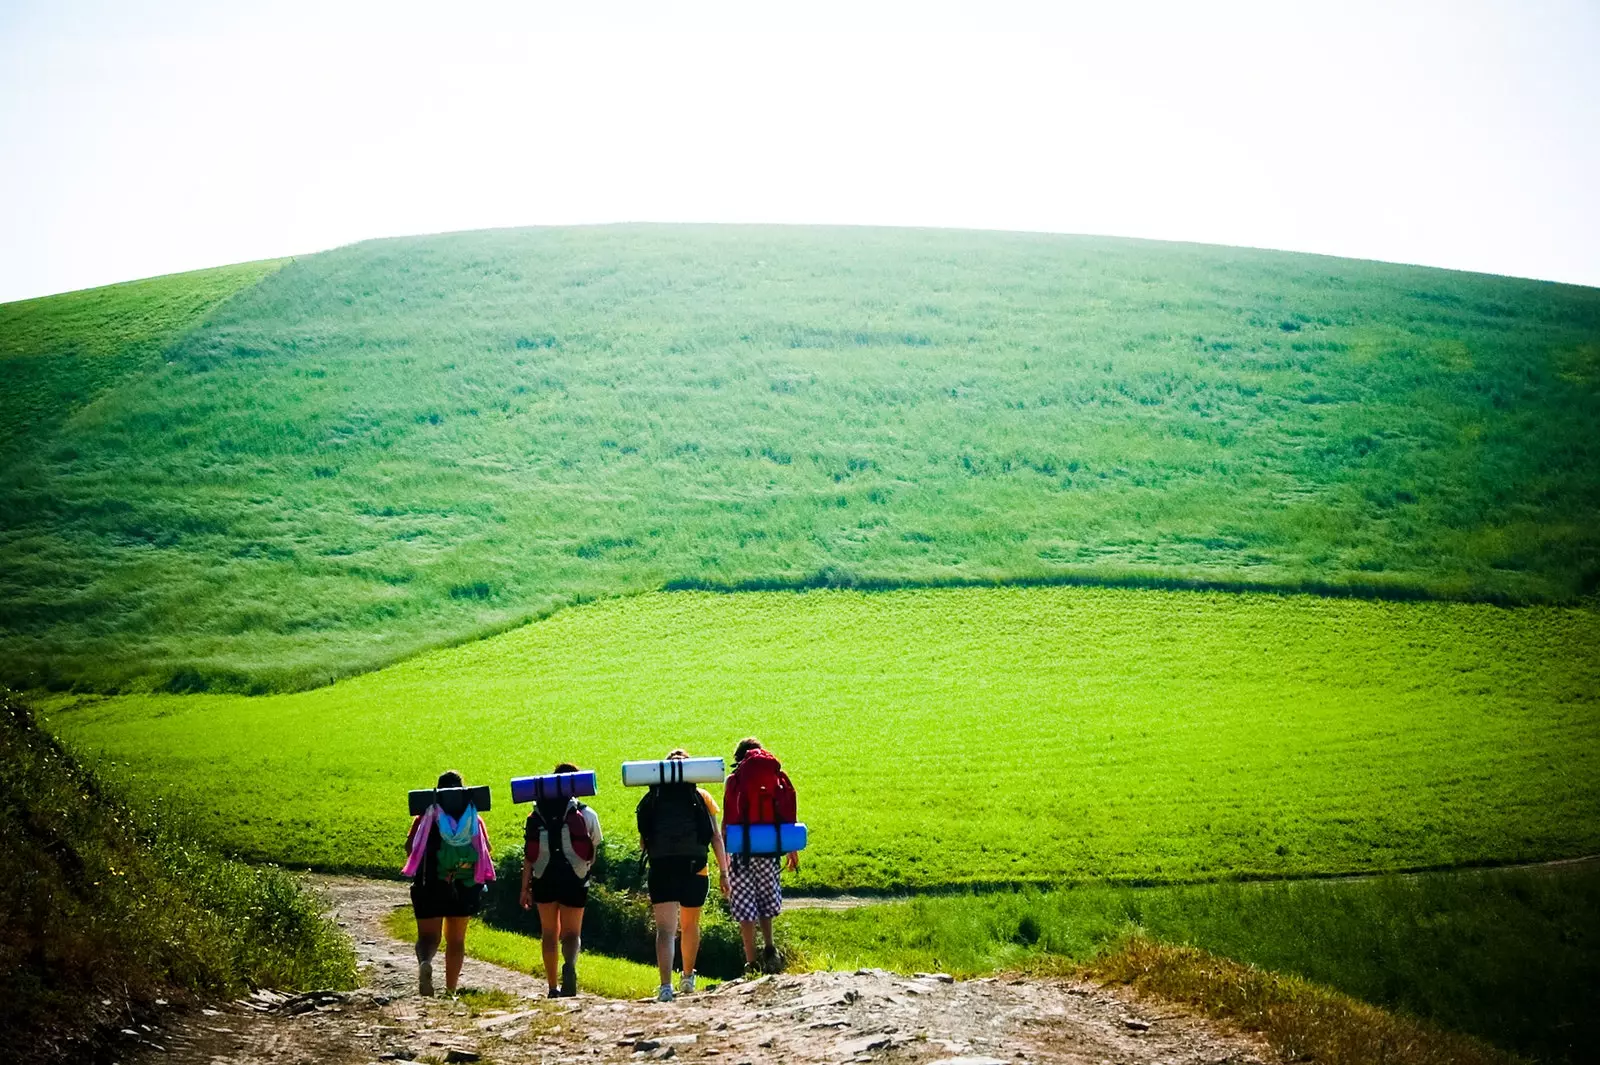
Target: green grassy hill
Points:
(405, 443)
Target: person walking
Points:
(757, 792)
(558, 849)
(677, 822)
(448, 857)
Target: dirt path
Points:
(865, 1016)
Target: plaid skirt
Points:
(754, 891)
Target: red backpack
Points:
(759, 792)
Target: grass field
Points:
(954, 736)
(1511, 956)
(405, 443)
(59, 352)
(597, 974)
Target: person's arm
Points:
(594, 824)
(722, 854)
(527, 883)
(411, 835)
(793, 860)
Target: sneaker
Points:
(686, 984)
(752, 968)
(554, 992)
(665, 994)
(425, 979)
(569, 980)
(771, 962)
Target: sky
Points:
(143, 138)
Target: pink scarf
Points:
(482, 873)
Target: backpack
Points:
(759, 793)
(674, 822)
(457, 862)
(576, 844)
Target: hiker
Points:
(677, 822)
(558, 849)
(449, 858)
(757, 792)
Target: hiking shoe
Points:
(686, 984)
(770, 961)
(569, 980)
(554, 992)
(665, 994)
(425, 979)
(752, 968)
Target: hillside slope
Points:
(407, 442)
(57, 353)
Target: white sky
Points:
(147, 138)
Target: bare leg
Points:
(766, 934)
(428, 932)
(691, 937)
(549, 941)
(747, 932)
(571, 943)
(666, 914)
(455, 950)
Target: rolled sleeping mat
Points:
(553, 786)
(766, 839)
(673, 771)
(452, 801)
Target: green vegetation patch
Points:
(951, 737)
(58, 352)
(405, 443)
(109, 906)
(1512, 956)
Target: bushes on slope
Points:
(110, 908)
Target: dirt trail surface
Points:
(865, 1016)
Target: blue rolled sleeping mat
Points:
(453, 801)
(554, 786)
(765, 839)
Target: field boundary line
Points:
(858, 900)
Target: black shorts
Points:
(445, 898)
(560, 884)
(680, 880)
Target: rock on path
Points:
(869, 1016)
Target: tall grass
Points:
(110, 906)
(405, 443)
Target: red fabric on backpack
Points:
(758, 792)
(578, 828)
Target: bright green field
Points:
(952, 736)
(400, 444)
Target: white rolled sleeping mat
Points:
(673, 771)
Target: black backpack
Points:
(674, 822)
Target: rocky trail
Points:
(827, 1017)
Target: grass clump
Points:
(947, 738)
(400, 444)
(1300, 1020)
(110, 907)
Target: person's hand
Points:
(527, 898)
(793, 861)
(722, 881)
